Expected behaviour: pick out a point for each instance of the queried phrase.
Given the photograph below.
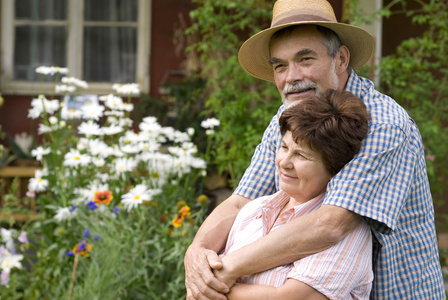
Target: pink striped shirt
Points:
(344, 271)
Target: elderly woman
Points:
(320, 136)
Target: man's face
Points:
(301, 64)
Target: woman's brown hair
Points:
(333, 123)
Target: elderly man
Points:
(306, 51)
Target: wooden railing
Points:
(16, 175)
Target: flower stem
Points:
(72, 284)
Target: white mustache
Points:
(298, 87)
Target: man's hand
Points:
(199, 279)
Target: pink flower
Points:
(23, 238)
(5, 278)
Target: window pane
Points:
(41, 9)
(110, 54)
(38, 46)
(111, 10)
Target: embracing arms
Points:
(202, 253)
(299, 238)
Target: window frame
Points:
(74, 50)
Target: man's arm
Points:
(299, 238)
(201, 256)
(291, 290)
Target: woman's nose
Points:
(285, 162)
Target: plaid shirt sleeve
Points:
(376, 182)
(260, 178)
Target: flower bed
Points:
(117, 208)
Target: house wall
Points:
(163, 58)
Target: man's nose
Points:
(294, 73)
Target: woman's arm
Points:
(291, 290)
(201, 256)
(299, 238)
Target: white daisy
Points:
(127, 89)
(112, 129)
(190, 131)
(181, 137)
(90, 128)
(7, 239)
(128, 106)
(92, 111)
(125, 122)
(75, 81)
(114, 102)
(39, 152)
(51, 70)
(137, 195)
(66, 213)
(10, 261)
(70, 114)
(63, 88)
(125, 165)
(37, 183)
(97, 147)
(41, 104)
(74, 158)
(210, 123)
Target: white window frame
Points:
(75, 21)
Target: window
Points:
(99, 41)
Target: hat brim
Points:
(254, 54)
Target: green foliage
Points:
(243, 104)
(416, 77)
(129, 198)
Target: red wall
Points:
(165, 20)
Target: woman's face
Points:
(302, 172)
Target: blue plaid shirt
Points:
(387, 184)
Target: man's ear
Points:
(342, 59)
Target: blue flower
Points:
(116, 210)
(73, 208)
(92, 205)
(82, 246)
(70, 253)
(86, 233)
(96, 238)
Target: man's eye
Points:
(278, 67)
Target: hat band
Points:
(299, 18)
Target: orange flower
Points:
(185, 211)
(177, 221)
(103, 197)
(82, 248)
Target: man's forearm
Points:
(299, 238)
(214, 231)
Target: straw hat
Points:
(254, 53)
